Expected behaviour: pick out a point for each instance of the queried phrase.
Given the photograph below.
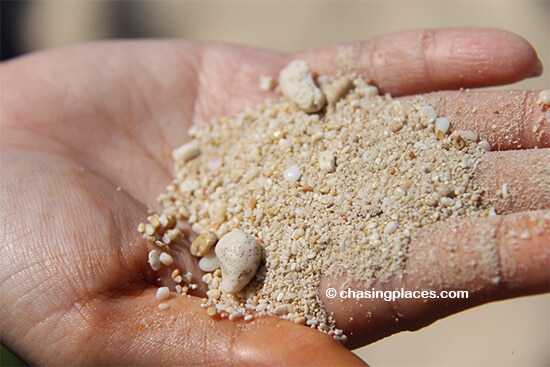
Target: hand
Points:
(87, 133)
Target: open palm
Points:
(86, 140)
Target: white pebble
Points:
(391, 227)
(209, 262)
(163, 293)
(428, 113)
(484, 144)
(266, 82)
(187, 152)
(281, 310)
(166, 259)
(371, 91)
(292, 174)
(154, 260)
(442, 124)
(327, 161)
(163, 306)
(239, 255)
(544, 97)
(297, 84)
(467, 135)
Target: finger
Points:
(516, 181)
(427, 60)
(131, 330)
(507, 119)
(492, 258)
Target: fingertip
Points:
(515, 55)
(419, 61)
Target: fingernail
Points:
(538, 70)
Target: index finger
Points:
(427, 60)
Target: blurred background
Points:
(509, 333)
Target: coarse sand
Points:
(331, 179)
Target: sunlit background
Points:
(510, 333)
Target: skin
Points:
(86, 137)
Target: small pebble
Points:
(395, 125)
(163, 293)
(484, 144)
(166, 259)
(390, 227)
(327, 161)
(164, 306)
(427, 112)
(292, 174)
(187, 152)
(266, 82)
(441, 126)
(458, 141)
(468, 135)
(211, 311)
(239, 255)
(203, 243)
(544, 97)
(154, 260)
(209, 262)
(281, 310)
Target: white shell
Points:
(442, 124)
(239, 255)
(187, 151)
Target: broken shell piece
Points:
(187, 152)
(442, 125)
(468, 135)
(338, 89)
(297, 84)
(239, 255)
(203, 243)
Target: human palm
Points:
(87, 134)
